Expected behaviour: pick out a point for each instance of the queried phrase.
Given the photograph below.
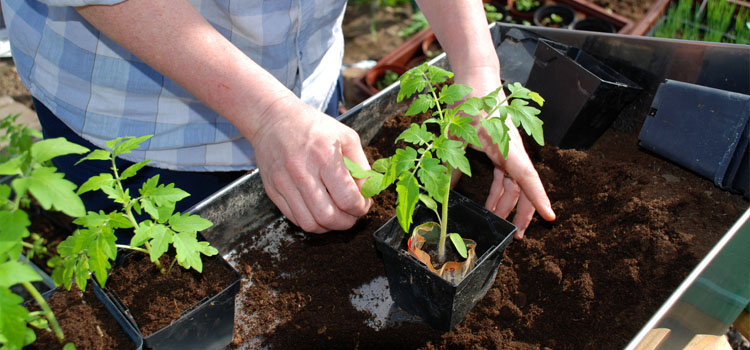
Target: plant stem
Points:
(444, 220)
(46, 310)
(125, 246)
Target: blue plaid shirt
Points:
(101, 91)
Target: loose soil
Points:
(156, 300)
(630, 228)
(84, 321)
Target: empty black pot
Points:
(423, 293)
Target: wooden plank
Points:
(708, 342)
(653, 339)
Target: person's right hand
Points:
(300, 158)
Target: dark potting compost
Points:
(630, 227)
(85, 322)
(155, 300)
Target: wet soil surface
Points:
(630, 227)
(84, 321)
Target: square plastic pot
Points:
(583, 95)
(209, 324)
(422, 293)
(703, 129)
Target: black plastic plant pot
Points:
(703, 129)
(583, 95)
(423, 293)
(207, 325)
(542, 16)
(594, 24)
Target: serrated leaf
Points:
(13, 227)
(373, 185)
(452, 152)
(100, 253)
(435, 178)
(421, 104)
(459, 244)
(411, 82)
(14, 272)
(163, 194)
(188, 223)
(527, 116)
(51, 190)
(133, 169)
(416, 134)
(497, 129)
(537, 98)
(453, 93)
(45, 150)
(357, 171)
(188, 250)
(97, 154)
(111, 143)
(96, 183)
(472, 106)
(161, 238)
(13, 166)
(4, 194)
(13, 322)
(381, 165)
(149, 207)
(81, 272)
(438, 75)
(141, 234)
(407, 189)
(403, 160)
(128, 144)
(461, 127)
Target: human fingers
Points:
(344, 189)
(529, 182)
(496, 189)
(524, 212)
(509, 198)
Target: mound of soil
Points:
(630, 228)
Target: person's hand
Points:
(300, 157)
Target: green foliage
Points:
(713, 22)
(33, 177)
(92, 247)
(426, 163)
(526, 5)
(416, 23)
(492, 14)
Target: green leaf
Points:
(453, 93)
(14, 272)
(458, 242)
(428, 202)
(403, 160)
(4, 195)
(100, 253)
(497, 129)
(13, 166)
(162, 194)
(438, 75)
(45, 150)
(410, 82)
(527, 116)
(81, 272)
(452, 151)
(416, 134)
(435, 178)
(128, 144)
(188, 223)
(188, 250)
(421, 104)
(461, 127)
(142, 234)
(97, 182)
(133, 169)
(537, 98)
(374, 185)
(51, 190)
(97, 154)
(161, 238)
(357, 171)
(13, 227)
(382, 165)
(69, 346)
(13, 321)
(472, 106)
(407, 189)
